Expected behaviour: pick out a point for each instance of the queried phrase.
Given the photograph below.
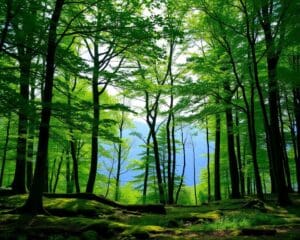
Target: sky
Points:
(199, 139)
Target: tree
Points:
(34, 203)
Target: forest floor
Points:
(80, 219)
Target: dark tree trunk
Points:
(95, 124)
(73, 148)
(19, 182)
(75, 164)
(157, 165)
(233, 167)
(69, 180)
(151, 121)
(285, 155)
(208, 161)
(169, 158)
(5, 148)
(217, 189)
(34, 203)
(296, 94)
(275, 137)
(239, 157)
(119, 160)
(194, 172)
(146, 168)
(173, 152)
(31, 133)
(58, 172)
(53, 168)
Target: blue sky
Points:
(199, 139)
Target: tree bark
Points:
(296, 94)
(119, 160)
(183, 143)
(208, 162)
(19, 182)
(145, 186)
(217, 190)
(34, 203)
(5, 149)
(194, 172)
(95, 124)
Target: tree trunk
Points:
(5, 149)
(19, 182)
(194, 172)
(31, 134)
(146, 168)
(183, 143)
(95, 124)
(275, 137)
(34, 203)
(296, 94)
(73, 148)
(285, 155)
(208, 161)
(58, 171)
(217, 158)
(119, 160)
(151, 121)
(233, 168)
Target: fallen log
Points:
(148, 208)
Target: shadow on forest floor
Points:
(80, 219)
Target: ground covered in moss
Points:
(80, 219)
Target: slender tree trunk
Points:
(119, 160)
(73, 148)
(157, 166)
(194, 172)
(31, 134)
(217, 189)
(183, 143)
(5, 149)
(109, 177)
(174, 153)
(34, 203)
(52, 175)
(151, 121)
(285, 155)
(170, 155)
(69, 180)
(208, 162)
(75, 164)
(239, 158)
(250, 123)
(146, 168)
(58, 171)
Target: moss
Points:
(89, 235)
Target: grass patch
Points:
(240, 219)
